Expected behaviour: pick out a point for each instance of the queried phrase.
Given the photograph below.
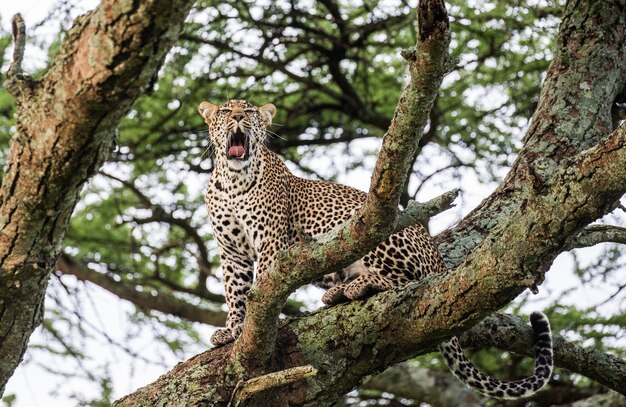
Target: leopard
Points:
(257, 208)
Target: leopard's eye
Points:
(224, 109)
(249, 110)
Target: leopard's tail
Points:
(469, 374)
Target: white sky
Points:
(33, 385)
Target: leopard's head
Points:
(237, 129)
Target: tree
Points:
(555, 188)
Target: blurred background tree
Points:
(332, 68)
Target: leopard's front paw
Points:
(334, 295)
(365, 286)
(235, 330)
(221, 337)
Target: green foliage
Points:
(9, 400)
(104, 399)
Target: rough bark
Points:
(574, 112)
(65, 128)
(570, 172)
(342, 342)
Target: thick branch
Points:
(350, 341)
(569, 118)
(142, 299)
(375, 220)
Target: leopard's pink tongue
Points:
(236, 151)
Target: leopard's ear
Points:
(267, 112)
(206, 110)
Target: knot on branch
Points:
(409, 54)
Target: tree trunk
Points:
(66, 126)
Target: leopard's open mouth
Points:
(238, 147)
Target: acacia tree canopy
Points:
(334, 71)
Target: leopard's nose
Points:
(238, 116)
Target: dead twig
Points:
(246, 389)
(422, 212)
(18, 84)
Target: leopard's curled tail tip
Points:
(469, 374)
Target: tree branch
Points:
(18, 84)
(19, 40)
(596, 234)
(249, 388)
(610, 398)
(422, 212)
(558, 393)
(161, 215)
(423, 385)
(350, 341)
(555, 134)
(142, 299)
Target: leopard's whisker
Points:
(275, 135)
